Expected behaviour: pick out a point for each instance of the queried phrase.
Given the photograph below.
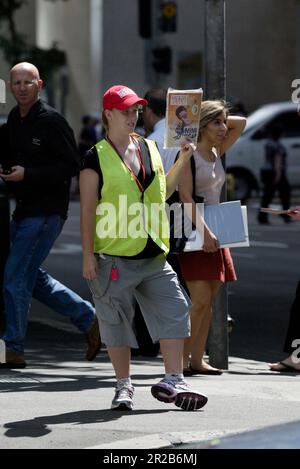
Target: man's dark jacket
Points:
(44, 144)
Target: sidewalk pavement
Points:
(62, 401)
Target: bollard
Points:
(218, 344)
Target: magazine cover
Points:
(182, 116)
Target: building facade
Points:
(103, 46)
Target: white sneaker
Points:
(180, 393)
(123, 398)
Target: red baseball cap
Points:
(121, 97)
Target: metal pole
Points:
(158, 40)
(215, 67)
(215, 88)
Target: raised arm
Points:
(235, 125)
(172, 178)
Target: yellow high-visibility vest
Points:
(125, 215)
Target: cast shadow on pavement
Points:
(262, 373)
(39, 426)
(15, 381)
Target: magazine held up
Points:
(182, 116)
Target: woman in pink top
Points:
(204, 271)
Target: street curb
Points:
(167, 440)
(143, 442)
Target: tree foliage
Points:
(15, 47)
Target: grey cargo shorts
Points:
(154, 285)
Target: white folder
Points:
(228, 221)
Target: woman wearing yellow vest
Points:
(125, 237)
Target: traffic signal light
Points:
(162, 62)
(145, 18)
(168, 19)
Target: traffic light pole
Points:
(157, 17)
(215, 88)
(158, 80)
(215, 60)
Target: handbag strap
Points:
(193, 168)
(144, 147)
(145, 152)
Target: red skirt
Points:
(200, 265)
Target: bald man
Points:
(42, 160)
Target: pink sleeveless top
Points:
(210, 177)
(200, 265)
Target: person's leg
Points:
(200, 294)
(172, 350)
(284, 189)
(146, 346)
(292, 339)
(120, 359)
(64, 301)
(199, 341)
(293, 330)
(32, 239)
(173, 388)
(267, 196)
(114, 304)
(165, 308)
(57, 296)
(289, 364)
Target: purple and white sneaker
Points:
(179, 393)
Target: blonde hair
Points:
(105, 122)
(210, 110)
